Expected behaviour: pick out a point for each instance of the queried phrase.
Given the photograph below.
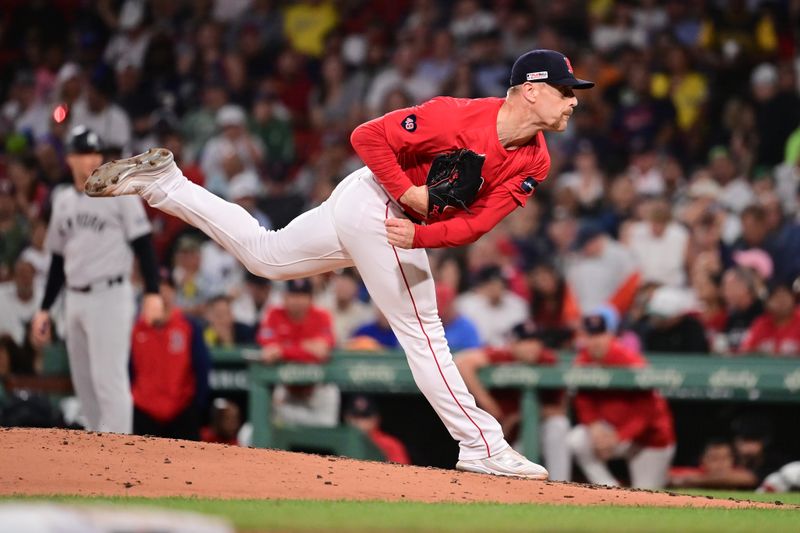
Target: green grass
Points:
(294, 515)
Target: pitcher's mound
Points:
(52, 461)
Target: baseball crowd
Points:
(670, 221)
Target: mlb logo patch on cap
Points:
(533, 76)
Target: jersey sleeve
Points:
(134, 219)
(465, 228)
(422, 130)
(522, 186)
(56, 238)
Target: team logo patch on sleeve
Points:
(410, 123)
(528, 185)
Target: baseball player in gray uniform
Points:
(92, 240)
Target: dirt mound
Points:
(50, 461)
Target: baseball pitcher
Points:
(439, 174)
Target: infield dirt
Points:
(63, 462)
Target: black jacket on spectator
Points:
(686, 336)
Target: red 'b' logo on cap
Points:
(569, 65)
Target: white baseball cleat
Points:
(506, 463)
(130, 175)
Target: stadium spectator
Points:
(602, 271)
(299, 332)
(777, 113)
(13, 230)
(245, 189)
(493, 308)
(553, 307)
(199, 124)
(739, 291)
(401, 75)
(362, 413)
(634, 425)
(376, 335)
(20, 299)
(659, 246)
(192, 290)
(254, 299)
(169, 365)
(460, 332)
(526, 346)
(222, 330)
(99, 113)
(777, 331)
(231, 151)
(671, 324)
(342, 302)
(585, 182)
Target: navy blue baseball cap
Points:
(546, 66)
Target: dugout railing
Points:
(683, 377)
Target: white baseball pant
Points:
(98, 337)
(648, 466)
(348, 230)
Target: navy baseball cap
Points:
(300, 285)
(546, 66)
(82, 140)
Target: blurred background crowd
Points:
(673, 201)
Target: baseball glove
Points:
(454, 180)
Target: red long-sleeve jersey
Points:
(399, 147)
(642, 417)
(277, 327)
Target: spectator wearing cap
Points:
(300, 332)
(777, 331)
(342, 302)
(231, 151)
(253, 300)
(527, 347)
(192, 289)
(492, 307)
(632, 425)
(743, 306)
(169, 366)
(671, 324)
(659, 246)
(601, 270)
(222, 330)
(129, 45)
(245, 189)
(362, 413)
(13, 230)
